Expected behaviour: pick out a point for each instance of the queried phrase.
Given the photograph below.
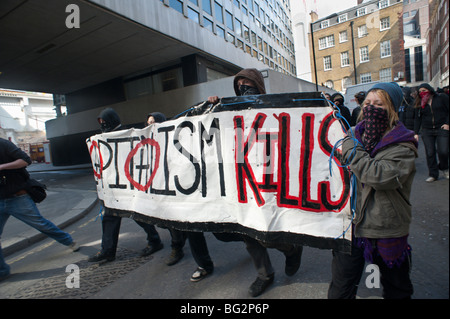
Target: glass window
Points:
(327, 63)
(326, 42)
(385, 48)
(366, 77)
(177, 5)
(364, 54)
(194, 2)
(206, 5)
(229, 20)
(386, 75)
(238, 27)
(361, 12)
(345, 61)
(254, 39)
(221, 32)
(383, 4)
(362, 31)
(343, 37)
(219, 13)
(230, 37)
(193, 15)
(346, 82)
(246, 33)
(208, 24)
(385, 24)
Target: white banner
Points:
(259, 167)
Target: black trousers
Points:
(436, 143)
(347, 271)
(111, 228)
(199, 250)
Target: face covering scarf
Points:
(424, 97)
(376, 123)
(248, 90)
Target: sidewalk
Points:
(67, 201)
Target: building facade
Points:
(415, 18)
(359, 45)
(438, 44)
(138, 56)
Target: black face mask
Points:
(105, 127)
(248, 90)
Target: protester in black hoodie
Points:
(338, 100)
(109, 121)
(251, 82)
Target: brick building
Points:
(359, 45)
(438, 44)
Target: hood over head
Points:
(111, 118)
(158, 116)
(252, 75)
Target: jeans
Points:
(24, 209)
(436, 141)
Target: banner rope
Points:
(350, 135)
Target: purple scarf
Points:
(399, 134)
(393, 251)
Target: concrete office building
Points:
(359, 45)
(139, 56)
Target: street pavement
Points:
(39, 264)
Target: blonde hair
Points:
(392, 114)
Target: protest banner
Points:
(255, 165)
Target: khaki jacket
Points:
(383, 209)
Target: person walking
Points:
(251, 82)
(406, 111)
(15, 201)
(432, 119)
(338, 99)
(381, 156)
(109, 121)
(178, 237)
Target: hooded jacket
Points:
(252, 75)
(158, 116)
(385, 177)
(111, 118)
(432, 116)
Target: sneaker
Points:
(199, 274)
(151, 248)
(430, 179)
(74, 246)
(101, 257)
(175, 256)
(446, 174)
(293, 261)
(260, 285)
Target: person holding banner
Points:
(178, 236)
(109, 121)
(381, 155)
(251, 82)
